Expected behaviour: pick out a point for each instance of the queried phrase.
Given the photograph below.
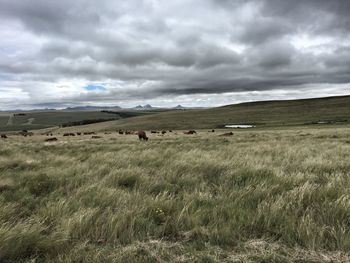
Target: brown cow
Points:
(142, 135)
(3, 136)
(227, 134)
(51, 139)
(25, 133)
(88, 133)
(163, 132)
(190, 132)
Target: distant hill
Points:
(148, 106)
(30, 120)
(179, 107)
(261, 114)
(145, 107)
(89, 108)
(98, 108)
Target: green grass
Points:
(263, 114)
(42, 119)
(258, 196)
(3, 120)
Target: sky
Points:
(56, 54)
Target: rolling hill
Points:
(32, 120)
(262, 114)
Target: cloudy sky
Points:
(189, 52)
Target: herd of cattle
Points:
(141, 134)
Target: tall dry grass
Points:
(269, 196)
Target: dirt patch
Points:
(10, 121)
(29, 121)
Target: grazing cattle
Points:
(212, 130)
(170, 131)
(154, 132)
(88, 133)
(95, 137)
(25, 133)
(79, 133)
(120, 132)
(227, 134)
(127, 132)
(51, 139)
(68, 134)
(163, 132)
(190, 132)
(142, 135)
(107, 133)
(3, 136)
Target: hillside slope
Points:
(12, 121)
(264, 113)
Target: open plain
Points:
(277, 195)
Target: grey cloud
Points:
(272, 54)
(318, 16)
(50, 17)
(177, 48)
(263, 29)
(339, 59)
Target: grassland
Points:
(47, 119)
(263, 114)
(257, 196)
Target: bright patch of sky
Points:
(94, 88)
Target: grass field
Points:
(263, 114)
(257, 196)
(47, 119)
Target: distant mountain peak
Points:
(179, 107)
(147, 106)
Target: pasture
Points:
(257, 196)
(47, 119)
(262, 114)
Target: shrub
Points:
(128, 181)
(40, 184)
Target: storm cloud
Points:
(191, 52)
